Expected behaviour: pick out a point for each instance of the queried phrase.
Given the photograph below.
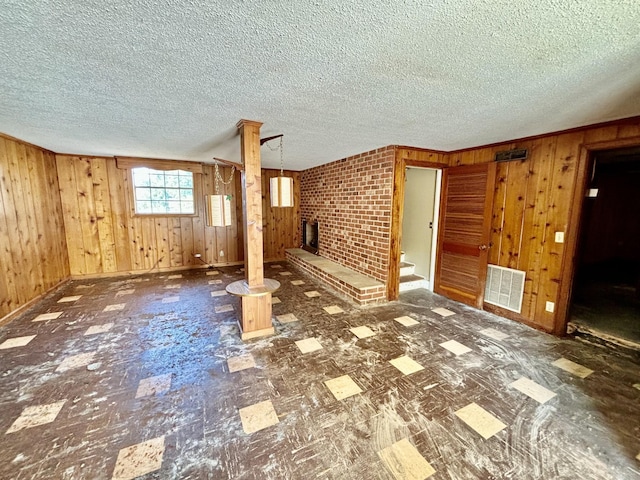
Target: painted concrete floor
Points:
(147, 377)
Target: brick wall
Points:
(351, 198)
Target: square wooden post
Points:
(256, 309)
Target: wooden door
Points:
(463, 239)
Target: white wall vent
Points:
(505, 287)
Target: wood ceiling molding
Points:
(156, 164)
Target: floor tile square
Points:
(174, 276)
(297, 282)
(406, 321)
(76, 361)
(36, 415)
(218, 293)
(94, 329)
(333, 309)
(455, 347)
(362, 332)
(47, 316)
(285, 274)
(275, 300)
(259, 416)
(16, 342)
(287, 318)
(343, 387)
(173, 286)
(121, 293)
(139, 459)
(115, 307)
(154, 385)
(481, 421)
(241, 362)
(223, 308)
(276, 266)
(170, 299)
(312, 294)
(215, 282)
(443, 312)
(308, 345)
(533, 390)
(213, 272)
(573, 367)
(72, 298)
(493, 333)
(404, 461)
(406, 365)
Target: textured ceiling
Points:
(170, 78)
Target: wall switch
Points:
(221, 253)
(592, 193)
(559, 237)
(197, 255)
(550, 307)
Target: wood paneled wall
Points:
(105, 236)
(33, 253)
(282, 227)
(533, 200)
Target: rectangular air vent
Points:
(509, 155)
(505, 287)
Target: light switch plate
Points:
(550, 307)
(559, 237)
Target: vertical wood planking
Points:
(33, 250)
(120, 219)
(87, 215)
(535, 221)
(175, 242)
(31, 241)
(533, 201)
(71, 214)
(558, 207)
(103, 215)
(11, 247)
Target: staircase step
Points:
(407, 268)
(410, 278)
(402, 256)
(412, 282)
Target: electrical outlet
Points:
(592, 193)
(559, 237)
(197, 255)
(550, 307)
(221, 253)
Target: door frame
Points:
(569, 262)
(436, 218)
(407, 157)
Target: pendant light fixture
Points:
(219, 206)
(281, 187)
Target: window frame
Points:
(194, 168)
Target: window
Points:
(163, 191)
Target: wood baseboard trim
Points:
(131, 273)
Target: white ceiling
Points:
(170, 78)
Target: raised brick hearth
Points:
(364, 290)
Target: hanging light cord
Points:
(219, 179)
(281, 155)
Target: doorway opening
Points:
(605, 304)
(419, 228)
